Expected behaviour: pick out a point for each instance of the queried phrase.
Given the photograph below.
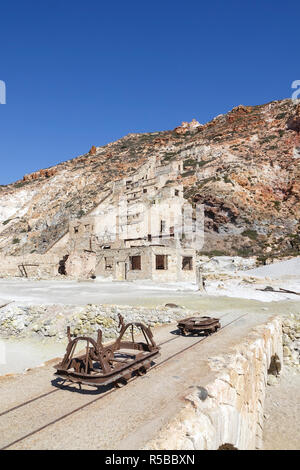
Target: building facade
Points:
(137, 231)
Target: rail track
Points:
(43, 395)
(103, 395)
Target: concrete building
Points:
(137, 231)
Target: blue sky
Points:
(86, 73)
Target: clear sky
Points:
(83, 73)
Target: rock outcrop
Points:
(243, 166)
(47, 173)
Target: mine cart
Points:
(115, 363)
(206, 325)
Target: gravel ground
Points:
(282, 412)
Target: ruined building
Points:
(136, 231)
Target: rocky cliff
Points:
(243, 166)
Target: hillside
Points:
(243, 166)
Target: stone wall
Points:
(291, 340)
(32, 266)
(228, 411)
(81, 265)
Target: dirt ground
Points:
(282, 411)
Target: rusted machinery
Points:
(196, 325)
(115, 363)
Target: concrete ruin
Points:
(139, 230)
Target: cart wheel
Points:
(142, 371)
(120, 383)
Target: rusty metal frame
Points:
(115, 363)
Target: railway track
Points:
(51, 392)
(103, 395)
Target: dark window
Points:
(172, 231)
(135, 263)
(161, 262)
(187, 263)
(144, 190)
(176, 192)
(76, 229)
(108, 263)
(149, 237)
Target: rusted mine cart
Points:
(206, 325)
(115, 363)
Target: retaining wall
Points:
(229, 410)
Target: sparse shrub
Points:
(252, 234)
(188, 173)
(189, 162)
(280, 116)
(277, 205)
(228, 180)
(244, 252)
(213, 253)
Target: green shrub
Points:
(6, 221)
(189, 162)
(250, 234)
(277, 205)
(188, 173)
(228, 180)
(280, 116)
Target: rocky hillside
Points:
(243, 166)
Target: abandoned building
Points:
(135, 232)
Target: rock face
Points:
(243, 166)
(228, 412)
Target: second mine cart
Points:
(206, 325)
